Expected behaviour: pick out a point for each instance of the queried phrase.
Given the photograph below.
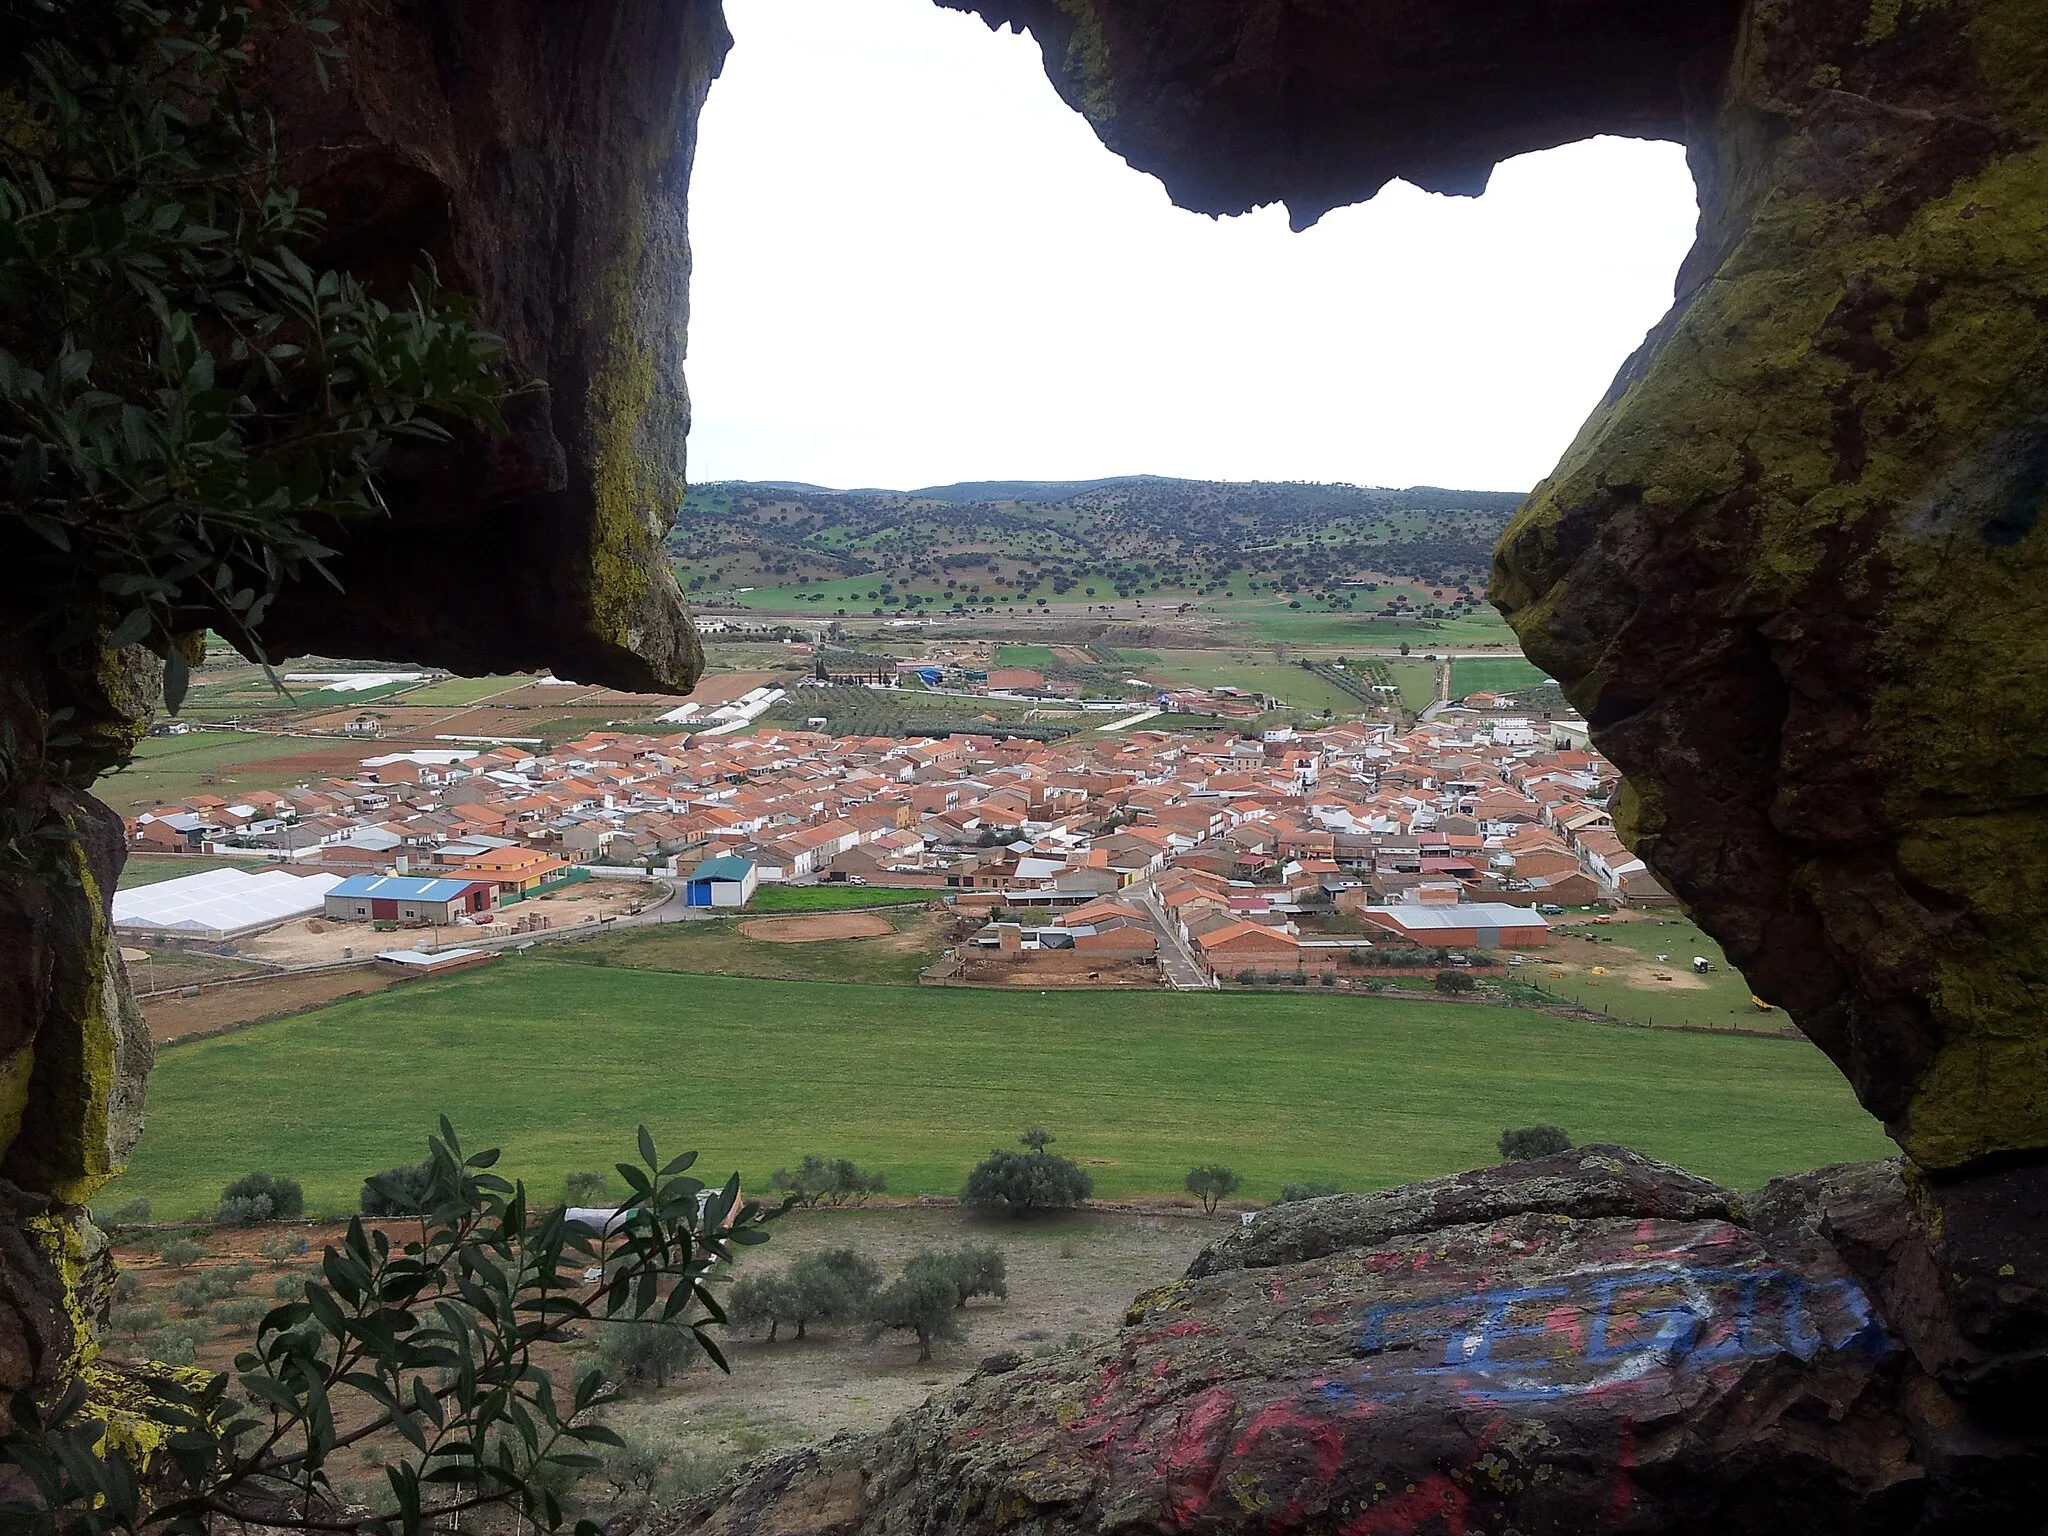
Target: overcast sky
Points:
(915, 265)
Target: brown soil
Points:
(219, 1008)
(814, 930)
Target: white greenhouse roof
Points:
(221, 901)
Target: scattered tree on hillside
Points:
(923, 1301)
(1520, 1144)
(180, 1253)
(1212, 1183)
(1026, 1182)
(974, 1270)
(760, 1300)
(1454, 982)
(834, 1181)
(642, 1352)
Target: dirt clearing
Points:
(815, 930)
(223, 1007)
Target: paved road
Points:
(1176, 960)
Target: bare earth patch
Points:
(814, 930)
(219, 1008)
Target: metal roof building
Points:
(220, 903)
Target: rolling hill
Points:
(984, 541)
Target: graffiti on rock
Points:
(1596, 1331)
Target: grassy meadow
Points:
(1494, 674)
(558, 1061)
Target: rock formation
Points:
(539, 156)
(1590, 1343)
(1791, 570)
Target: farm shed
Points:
(407, 898)
(722, 882)
(219, 904)
(1468, 925)
(421, 962)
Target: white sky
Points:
(915, 265)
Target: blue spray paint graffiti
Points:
(1606, 1328)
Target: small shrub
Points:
(128, 1286)
(586, 1189)
(289, 1288)
(281, 1199)
(1453, 982)
(281, 1251)
(652, 1469)
(1026, 1182)
(1329, 978)
(1211, 1183)
(1519, 1144)
(243, 1211)
(181, 1253)
(1307, 1189)
(241, 1314)
(401, 1191)
(178, 1343)
(136, 1321)
(1247, 976)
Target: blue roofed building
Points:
(722, 882)
(409, 899)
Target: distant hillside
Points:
(1122, 536)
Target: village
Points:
(1188, 859)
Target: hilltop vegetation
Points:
(1348, 548)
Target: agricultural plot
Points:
(1494, 674)
(1632, 983)
(889, 948)
(149, 868)
(172, 767)
(557, 1061)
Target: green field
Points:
(1218, 669)
(150, 868)
(1417, 680)
(1718, 1000)
(1034, 656)
(558, 1061)
(464, 690)
(1494, 674)
(832, 898)
(168, 768)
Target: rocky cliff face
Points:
(539, 156)
(1791, 567)
(1586, 1344)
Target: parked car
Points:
(856, 880)
(1551, 910)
